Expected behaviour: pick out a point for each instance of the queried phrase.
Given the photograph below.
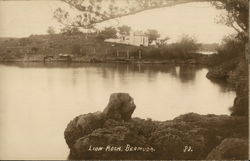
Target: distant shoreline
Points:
(96, 60)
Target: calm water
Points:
(37, 101)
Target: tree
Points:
(76, 49)
(51, 30)
(70, 30)
(237, 15)
(185, 46)
(231, 47)
(92, 12)
(124, 30)
(188, 43)
(107, 33)
(152, 35)
(34, 50)
(164, 41)
(25, 41)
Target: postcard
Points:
(124, 79)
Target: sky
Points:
(23, 18)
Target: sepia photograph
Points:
(124, 80)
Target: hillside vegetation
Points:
(35, 48)
(83, 48)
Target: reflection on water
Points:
(38, 100)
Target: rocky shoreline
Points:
(113, 134)
(235, 72)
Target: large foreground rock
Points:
(120, 107)
(113, 134)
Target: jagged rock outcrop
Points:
(113, 134)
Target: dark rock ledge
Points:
(113, 134)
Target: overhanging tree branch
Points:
(95, 15)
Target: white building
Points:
(137, 38)
(159, 41)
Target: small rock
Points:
(120, 107)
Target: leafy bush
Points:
(230, 48)
(34, 49)
(186, 44)
(107, 33)
(71, 31)
(185, 48)
(25, 41)
(76, 49)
